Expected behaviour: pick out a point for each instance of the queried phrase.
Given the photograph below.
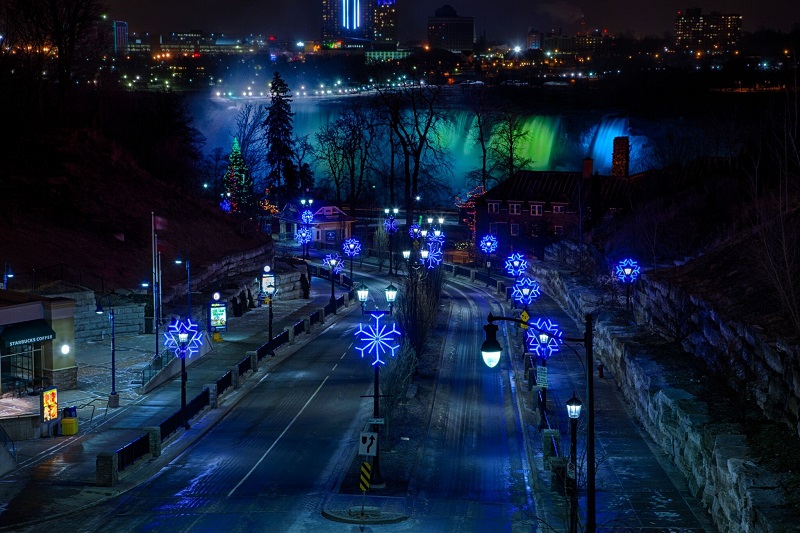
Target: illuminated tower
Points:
(385, 24)
(715, 33)
(346, 19)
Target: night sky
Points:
(501, 20)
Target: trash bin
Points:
(69, 426)
(71, 412)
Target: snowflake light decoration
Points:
(379, 339)
(627, 270)
(389, 225)
(525, 291)
(338, 265)
(303, 235)
(543, 337)
(226, 205)
(351, 247)
(307, 216)
(435, 255)
(193, 342)
(414, 231)
(433, 237)
(516, 265)
(488, 244)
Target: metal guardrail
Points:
(299, 327)
(224, 382)
(133, 451)
(244, 365)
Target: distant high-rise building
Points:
(448, 31)
(715, 33)
(534, 40)
(346, 19)
(385, 23)
(120, 33)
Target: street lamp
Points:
(573, 411)
(390, 225)
(334, 264)
(491, 350)
(113, 397)
(179, 261)
(7, 274)
(351, 248)
(307, 216)
(391, 296)
(378, 340)
(185, 340)
(270, 289)
(627, 271)
(488, 246)
(363, 296)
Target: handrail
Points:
(8, 443)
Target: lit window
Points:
(494, 208)
(514, 209)
(558, 209)
(514, 230)
(536, 210)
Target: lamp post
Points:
(378, 340)
(179, 261)
(491, 350)
(488, 246)
(307, 216)
(390, 225)
(627, 271)
(334, 264)
(7, 274)
(113, 397)
(183, 339)
(351, 248)
(270, 289)
(573, 411)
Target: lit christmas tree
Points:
(238, 183)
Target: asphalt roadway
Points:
(637, 490)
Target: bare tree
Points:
(481, 106)
(504, 151)
(251, 138)
(330, 155)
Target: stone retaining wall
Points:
(714, 457)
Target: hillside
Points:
(78, 206)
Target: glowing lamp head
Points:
(183, 337)
(391, 293)
(574, 407)
(216, 296)
(406, 254)
(490, 349)
(363, 293)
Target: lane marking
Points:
(334, 367)
(278, 439)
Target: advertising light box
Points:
(218, 316)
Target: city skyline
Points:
(503, 20)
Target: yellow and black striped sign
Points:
(366, 473)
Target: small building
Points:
(328, 225)
(533, 209)
(37, 342)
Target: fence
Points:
(245, 365)
(133, 451)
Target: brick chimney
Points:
(621, 157)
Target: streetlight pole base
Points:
(113, 400)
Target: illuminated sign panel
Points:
(218, 316)
(49, 404)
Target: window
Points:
(514, 209)
(536, 210)
(558, 210)
(494, 208)
(558, 230)
(493, 226)
(514, 230)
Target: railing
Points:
(299, 327)
(245, 365)
(224, 382)
(8, 444)
(315, 317)
(133, 451)
(171, 425)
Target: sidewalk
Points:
(56, 475)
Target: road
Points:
(273, 461)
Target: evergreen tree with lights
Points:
(282, 176)
(237, 184)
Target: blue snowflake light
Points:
(389, 225)
(488, 244)
(338, 265)
(516, 265)
(433, 237)
(225, 205)
(543, 337)
(351, 247)
(194, 338)
(414, 231)
(525, 291)
(378, 339)
(435, 255)
(627, 270)
(303, 235)
(307, 216)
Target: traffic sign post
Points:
(368, 444)
(366, 473)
